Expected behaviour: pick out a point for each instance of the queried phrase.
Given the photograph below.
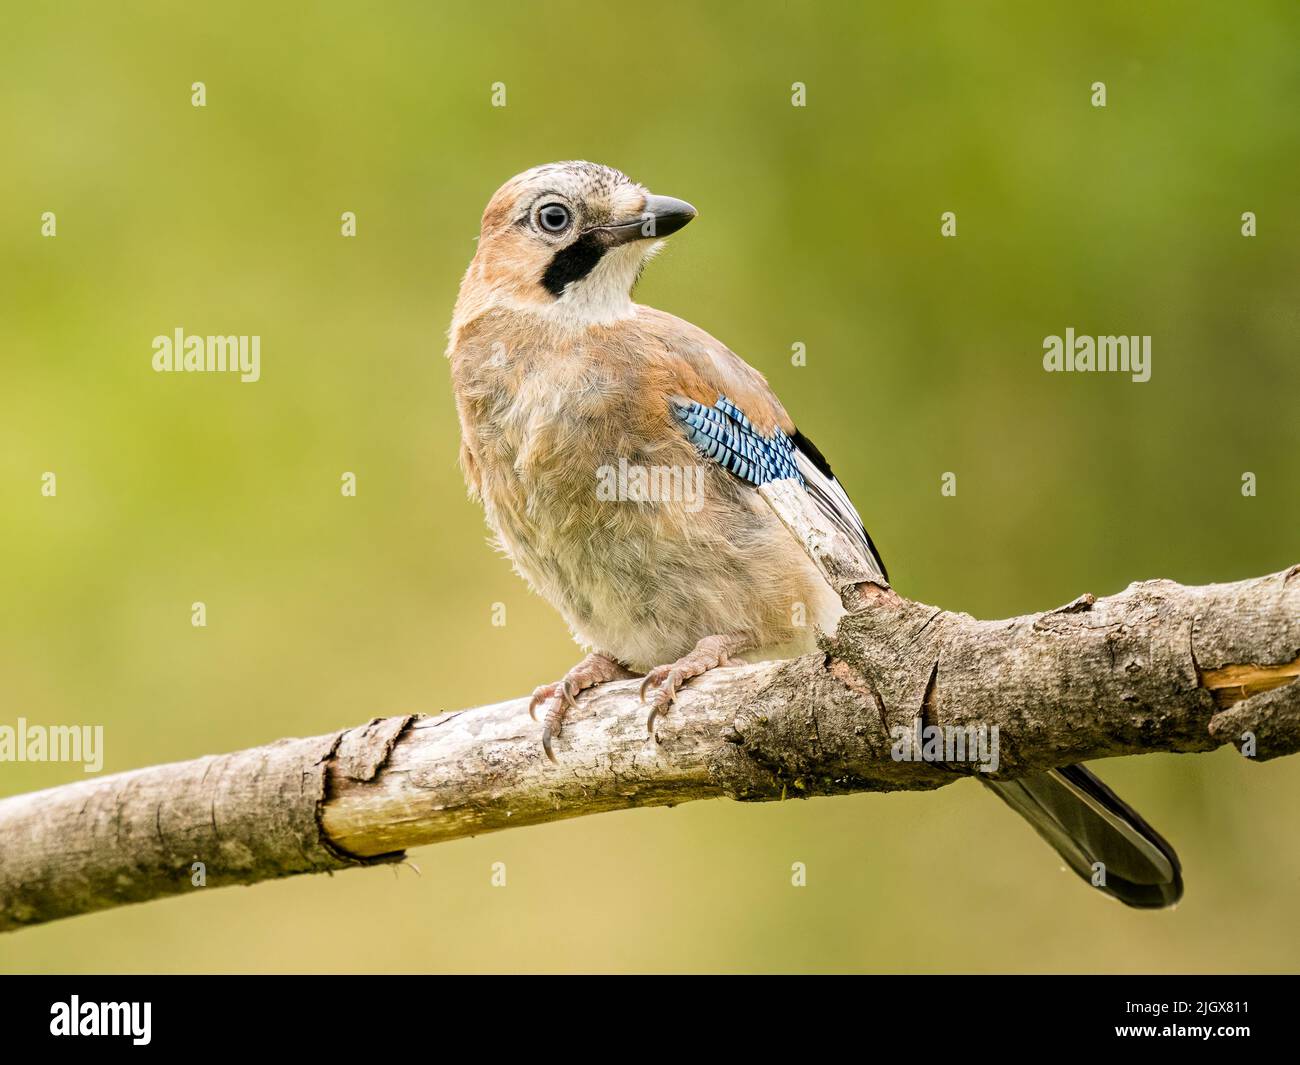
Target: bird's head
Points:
(567, 241)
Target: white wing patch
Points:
(832, 501)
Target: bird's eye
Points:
(554, 217)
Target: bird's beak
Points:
(660, 216)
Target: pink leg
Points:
(709, 653)
(595, 669)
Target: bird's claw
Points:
(552, 726)
(665, 680)
(709, 653)
(561, 689)
(563, 694)
(662, 702)
(540, 694)
(654, 678)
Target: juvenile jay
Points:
(558, 376)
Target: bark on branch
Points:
(1158, 667)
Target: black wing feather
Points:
(833, 501)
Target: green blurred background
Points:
(818, 225)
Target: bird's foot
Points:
(594, 669)
(709, 653)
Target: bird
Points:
(675, 565)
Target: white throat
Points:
(605, 294)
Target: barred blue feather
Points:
(723, 433)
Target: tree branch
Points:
(1158, 667)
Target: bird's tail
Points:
(1087, 823)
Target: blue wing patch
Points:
(723, 433)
